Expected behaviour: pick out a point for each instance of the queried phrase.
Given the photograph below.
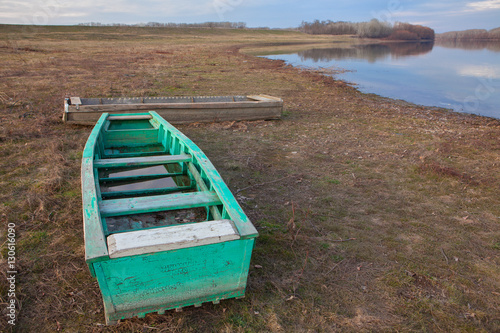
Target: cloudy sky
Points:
(442, 15)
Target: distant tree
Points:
(471, 34)
(403, 35)
(371, 29)
(374, 29)
(407, 31)
(329, 28)
(223, 25)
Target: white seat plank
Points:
(170, 238)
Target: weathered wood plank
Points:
(170, 238)
(175, 279)
(132, 117)
(136, 137)
(179, 116)
(265, 98)
(154, 106)
(157, 203)
(75, 100)
(108, 195)
(254, 108)
(95, 247)
(140, 177)
(203, 187)
(134, 150)
(136, 161)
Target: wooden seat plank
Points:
(137, 161)
(151, 191)
(156, 203)
(170, 238)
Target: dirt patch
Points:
(434, 168)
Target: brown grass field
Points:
(374, 215)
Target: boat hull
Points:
(162, 230)
(176, 110)
(137, 285)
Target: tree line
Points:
(471, 34)
(223, 25)
(371, 29)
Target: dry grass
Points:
(385, 215)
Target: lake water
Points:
(464, 77)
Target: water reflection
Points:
(469, 44)
(464, 76)
(369, 52)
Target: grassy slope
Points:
(414, 191)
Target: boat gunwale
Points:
(194, 106)
(95, 244)
(261, 98)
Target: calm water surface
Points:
(464, 77)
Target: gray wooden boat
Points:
(176, 110)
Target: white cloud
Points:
(483, 5)
(168, 8)
(446, 15)
(43, 12)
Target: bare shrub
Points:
(374, 29)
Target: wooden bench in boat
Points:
(156, 203)
(136, 161)
(172, 238)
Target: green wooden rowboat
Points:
(162, 229)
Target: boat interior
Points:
(146, 177)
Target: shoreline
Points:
(263, 52)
